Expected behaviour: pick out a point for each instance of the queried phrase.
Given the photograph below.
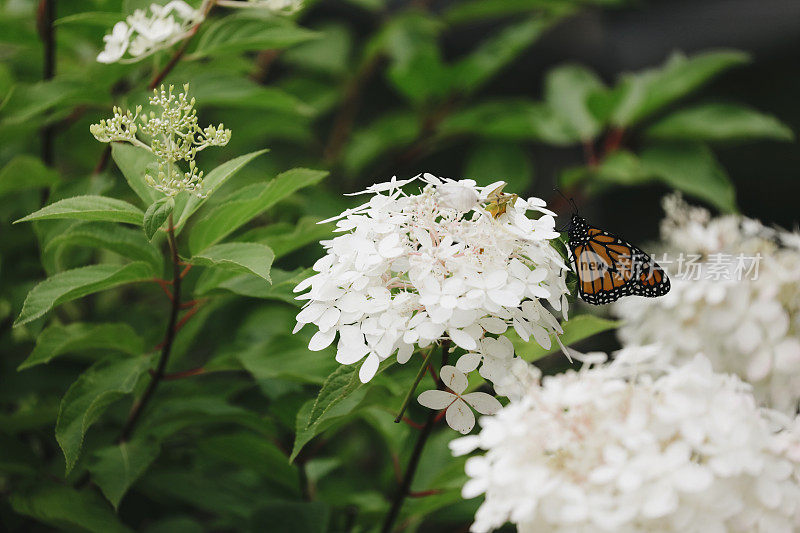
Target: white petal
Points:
(460, 417)
(485, 404)
(505, 298)
(347, 354)
(493, 325)
(369, 368)
(321, 340)
(541, 336)
(453, 378)
(311, 313)
(463, 340)
(404, 353)
(468, 362)
(329, 319)
(436, 399)
(464, 445)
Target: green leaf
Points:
(639, 95)
(255, 453)
(343, 382)
(620, 166)
(26, 172)
(509, 120)
(90, 18)
(218, 89)
(98, 387)
(392, 130)
(291, 517)
(77, 283)
(575, 329)
(224, 495)
(330, 54)
(568, 90)
(719, 122)
(494, 161)
(212, 182)
(247, 203)
(66, 508)
(250, 31)
(489, 57)
(283, 283)
(127, 242)
(46, 101)
(482, 10)
(115, 468)
(156, 215)
(57, 340)
(285, 358)
(100, 208)
(133, 162)
(341, 396)
(285, 238)
(693, 169)
(242, 257)
(416, 70)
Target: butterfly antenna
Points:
(570, 200)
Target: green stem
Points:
(416, 454)
(413, 388)
(169, 337)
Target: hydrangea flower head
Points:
(748, 326)
(173, 134)
(409, 270)
(608, 448)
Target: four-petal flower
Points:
(458, 413)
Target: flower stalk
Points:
(410, 394)
(408, 477)
(166, 345)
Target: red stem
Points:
(185, 373)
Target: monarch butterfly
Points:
(609, 268)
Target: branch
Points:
(169, 337)
(410, 393)
(405, 486)
(343, 122)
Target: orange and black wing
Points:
(609, 268)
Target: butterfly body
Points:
(609, 268)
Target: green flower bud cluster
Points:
(171, 132)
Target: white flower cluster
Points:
(142, 34)
(750, 327)
(173, 134)
(410, 270)
(606, 449)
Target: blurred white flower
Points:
(609, 448)
(750, 327)
(457, 405)
(144, 33)
(410, 270)
(117, 43)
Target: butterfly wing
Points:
(609, 268)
